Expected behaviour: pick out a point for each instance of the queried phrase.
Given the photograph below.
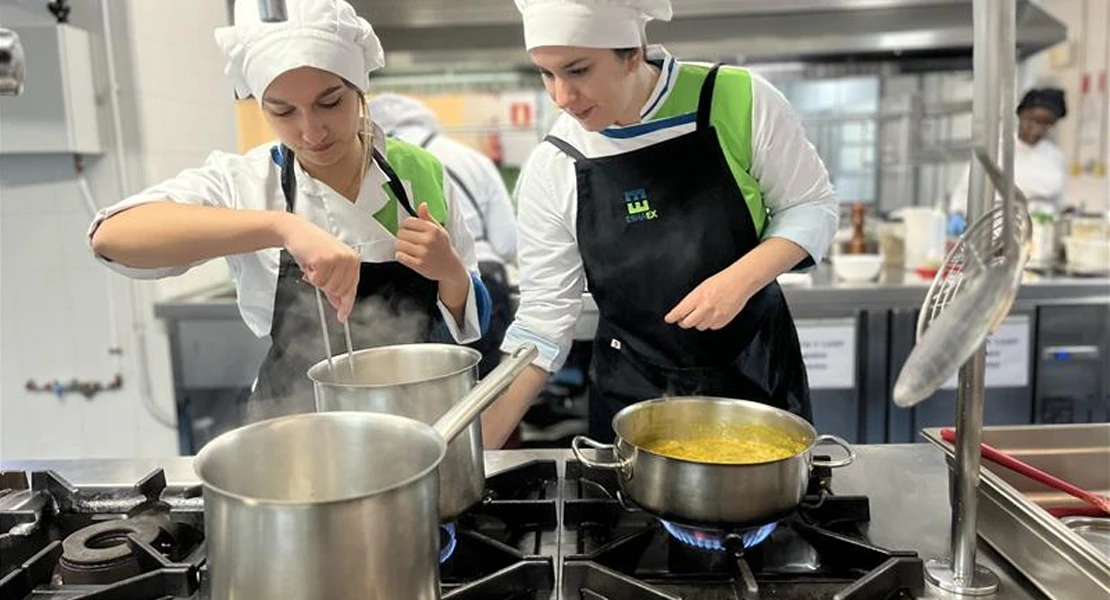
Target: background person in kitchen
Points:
(485, 205)
(678, 192)
(289, 216)
(1039, 165)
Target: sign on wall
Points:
(829, 352)
(1007, 355)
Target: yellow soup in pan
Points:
(728, 444)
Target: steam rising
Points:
(374, 322)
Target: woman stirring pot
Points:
(679, 192)
(334, 206)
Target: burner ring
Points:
(100, 553)
(719, 540)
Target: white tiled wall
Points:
(55, 320)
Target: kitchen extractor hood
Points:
(482, 34)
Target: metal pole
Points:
(1007, 68)
(969, 434)
(984, 105)
(992, 114)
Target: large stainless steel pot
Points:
(337, 505)
(707, 494)
(419, 381)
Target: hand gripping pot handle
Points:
(459, 417)
(832, 439)
(620, 464)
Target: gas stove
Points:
(146, 541)
(612, 551)
(546, 529)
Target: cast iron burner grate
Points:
(152, 537)
(125, 543)
(818, 552)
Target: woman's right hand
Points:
(326, 262)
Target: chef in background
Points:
(1039, 165)
(485, 204)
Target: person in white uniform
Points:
(1040, 170)
(333, 206)
(486, 205)
(676, 192)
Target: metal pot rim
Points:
(323, 365)
(642, 405)
(221, 440)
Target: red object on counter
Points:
(1102, 503)
(927, 272)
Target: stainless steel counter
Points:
(907, 485)
(855, 337)
(817, 293)
(897, 289)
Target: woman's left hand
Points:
(425, 247)
(712, 305)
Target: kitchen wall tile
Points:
(53, 305)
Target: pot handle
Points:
(458, 417)
(576, 444)
(832, 439)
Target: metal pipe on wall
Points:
(138, 319)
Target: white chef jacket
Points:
(251, 181)
(1039, 172)
(490, 217)
(794, 182)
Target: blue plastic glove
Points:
(957, 224)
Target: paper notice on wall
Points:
(829, 352)
(1007, 355)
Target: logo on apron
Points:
(638, 207)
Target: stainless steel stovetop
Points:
(547, 529)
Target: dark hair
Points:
(1051, 99)
(627, 53)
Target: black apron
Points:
(494, 276)
(394, 305)
(652, 225)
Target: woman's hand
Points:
(327, 263)
(425, 247)
(711, 305)
(717, 301)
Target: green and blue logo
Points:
(638, 206)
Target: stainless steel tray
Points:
(1012, 515)
(1096, 530)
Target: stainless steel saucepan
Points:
(419, 381)
(338, 505)
(705, 494)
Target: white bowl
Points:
(857, 268)
(1087, 254)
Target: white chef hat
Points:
(391, 111)
(325, 34)
(589, 23)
